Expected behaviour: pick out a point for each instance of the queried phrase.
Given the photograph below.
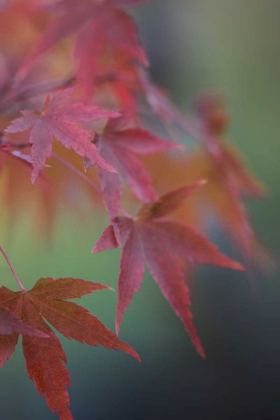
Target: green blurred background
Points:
(231, 46)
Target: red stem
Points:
(76, 171)
(83, 176)
(12, 269)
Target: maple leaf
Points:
(114, 27)
(132, 82)
(58, 119)
(215, 120)
(229, 181)
(45, 356)
(159, 102)
(223, 195)
(232, 178)
(165, 245)
(98, 25)
(229, 161)
(118, 147)
(226, 196)
(132, 85)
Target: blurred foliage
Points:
(195, 45)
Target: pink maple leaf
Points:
(57, 119)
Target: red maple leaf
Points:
(118, 147)
(112, 27)
(232, 163)
(232, 177)
(132, 82)
(214, 123)
(45, 356)
(229, 180)
(99, 25)
(158, 100)
(231, 183)
(165, 245)
(57, 119)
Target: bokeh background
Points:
(231, 46)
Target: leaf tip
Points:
(41, 334)
(33, 178)
(202, 182)
(238, 266)
(117, 325)
(136, 356)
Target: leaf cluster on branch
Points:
(74, 75)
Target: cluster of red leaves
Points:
(79, 76)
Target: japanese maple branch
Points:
(12, 269)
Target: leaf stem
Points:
(76, 171)
(12, 269)
(72, 168)
(83, 176)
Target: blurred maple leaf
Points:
(98, 25)
(229, 180)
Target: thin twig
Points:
(73, 169)
(76, 171)
(12, 269)
(64, 162)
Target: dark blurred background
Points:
(231, 46)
